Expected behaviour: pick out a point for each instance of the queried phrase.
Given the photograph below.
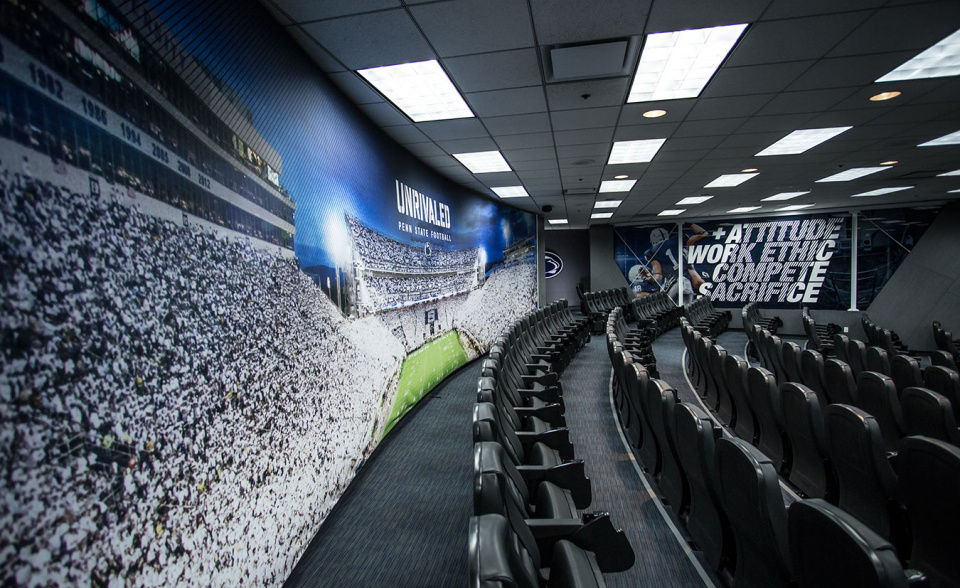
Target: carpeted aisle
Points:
(403, 520)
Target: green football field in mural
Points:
(424, 369)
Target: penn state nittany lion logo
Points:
(552, 263)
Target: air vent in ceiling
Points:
(584, 61)
(580, 191)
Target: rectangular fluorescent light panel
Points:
(607, 203)
(743, 209)
(951, 139)
(641, 151)
(421, 90)
(783, 196)
(940, 60)
(881, 191)
(510, 191)
(802, 140)
(953, 191)
(601, 215)
(694, 200)
(795, 207)
(483, 162)
(557, 221)
(672, 212)
(955, 172)
(730, 180)
(616, 186)
(679, 64)
(853, 173)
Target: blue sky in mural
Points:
(334, 160)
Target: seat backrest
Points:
(830, 548)
(857, 356)
(878, 360)
(929, 414)
(661, 399)
(841, 384)
(946, 382)
(840, 344)
(877, 395)
(765, 401)
(811, 373)
(790, 356)
(929, 485)
(867, 484)
(809, 469)
(774, 351)
(752, 500)
(905, 371)
(943, 359)
(735, 377)
(497, 558)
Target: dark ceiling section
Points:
(799, 65)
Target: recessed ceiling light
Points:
(421, 90)
(621, 177)
(795, 207)
(953, 191)
(743, 209)
(749, 170)
(672, 212)
(607, 203)
(557, 221)
(616, 185)
(730, 180)
(510, 191)
(891, 162)
(483, 162)
(694, 200)
(853, 173)
(802, 140)
(783, 196)
(951, 139)
(884, 96)
(940, 60)
(955, 172)
(641, 151)
(679, 64)
(601, 215)
(656, 113)
(881, 191)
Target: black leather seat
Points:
(765, 400)
(810, 470)
(649, 447)
(735, 372)
(841, 343)
(830, 548)
(840, 381)
(811, 373)
(661, 399)
(877, 395)
(751, 497)
(943, 359)
(709, 393)
(774, 350)
(867, 483)
(857, 356)
(790, 358)
(878, 360)
(696, 435)
(930, 484)
(726, 411)
(929, 414)
(905, 371)
(946, 382)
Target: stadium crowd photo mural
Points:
(222, 286)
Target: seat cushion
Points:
(573, 567)
(553, 502)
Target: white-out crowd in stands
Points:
(384, 291)
(180, 408)
(381, 253)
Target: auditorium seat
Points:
(841, 343)
(943, 359)
(725, 407)
(810, 470)
(774, 350)
(866, 482)
(633, 427)
(857, 356)
(929, 414)
(765, 401)
(499, 487)
(811, 374)
(752, 500)
(661, 399)
(710, 395)
(878, 360)
(790, 358)
(841, 384)
(946, 382)
(550, 448)
(649, 446)
(905, 371)
(696, 436)
(877, 395)
(829, 548)
(735, 372)
(930, 485)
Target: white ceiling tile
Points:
(494, 71)
(463, 27)
(461, 128)
(566, 120)
(307, 10)
(397, 39)
(468, 145)
(571, 21)
(507, 102)
(525, 141)
(404, 134)
(902, 28)
(587, 94)
(517, 124)
(794, 39)
(697, 14)
(583, 136)
(318, 54)
(754, 79)
(384, 114)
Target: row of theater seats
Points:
(751, 316)
(705, 318)
(597, 305)
(883, 338)
(657, 310)
(819, 336)
(726, 492)
(844, 451)
(945, 341)
(530, 528)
